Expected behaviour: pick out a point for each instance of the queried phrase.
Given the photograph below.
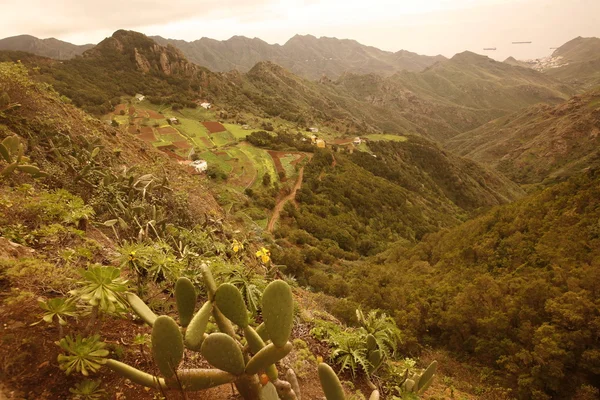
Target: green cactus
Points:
(269, 392)
(371, 343)
(262, 331)
(194, 335)
(278, 312)
(267, 356)
(423, 381)
(141, 309)
(231, 304)
(330, 383)
(185, 296)
(221, 351)
(167, 345)
(200, 379)
(136, 376)
(12, 152)
(233, 362)
(375, 358)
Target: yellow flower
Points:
(237, 246)
(264, 255)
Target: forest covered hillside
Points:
(539, 143)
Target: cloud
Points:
(66, 17)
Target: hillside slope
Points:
(579, 63)
(353, 205)
(456, 95)
(306, 56)
(540, 142)
(51, 48)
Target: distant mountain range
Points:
(450, 97)
(306, 56)
(51, 48)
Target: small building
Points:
(357, 141)
(173, 121)
(246, 127)
(139, 97)
(313, 139)
(320, 143)
(199, 165)
(313, 130)
(206, 105)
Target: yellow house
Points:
(320, 143)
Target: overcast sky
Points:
(424, 26)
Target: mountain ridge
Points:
(50, 47)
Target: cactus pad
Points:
(185, 295)
(167, 345)
(135, 375)
(141, 309)
(194, 335)
(268, 355)
(330, 383)
(268, 392)
(371, 343)
(200, 379)
(222, 352)
(231, 304)
(278, 312)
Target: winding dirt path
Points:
(281, 203)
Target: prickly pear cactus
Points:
(167, 345)
(185, 296)
(234, 361)
(278, 312)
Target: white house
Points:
(357, 141)
(173, 121)
(313, 130)
(205, 105)
(199, 165)
(140, 97)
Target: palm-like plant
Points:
(56, 311)
(84, 355)
(88, 390)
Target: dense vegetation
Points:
(353, 205)
(515, 289)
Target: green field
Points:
(238, 132)
(286, 162)
(261, 160)
(221, 139)
(386, 136)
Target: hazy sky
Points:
(424, 26)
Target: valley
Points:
(405, 219)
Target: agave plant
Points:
(83, 355)
(57, 311)
(88, 390)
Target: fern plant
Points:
(349, 352)
(383, 328)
